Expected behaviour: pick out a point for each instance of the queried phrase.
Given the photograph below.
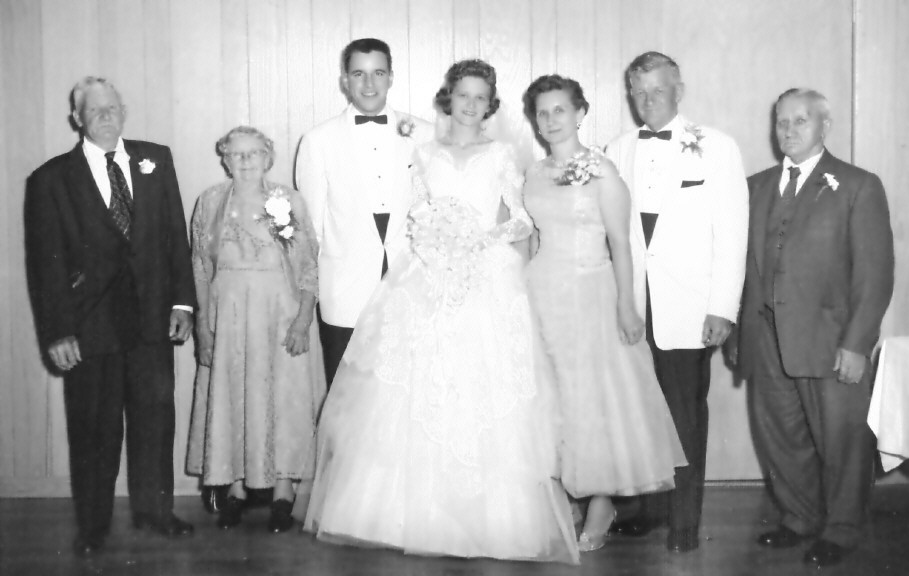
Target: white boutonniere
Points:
(406, 126)
(146, 166)
(691, 139)
(279, 217)
(830, 181)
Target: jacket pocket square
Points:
(690, 183)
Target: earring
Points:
(579, 125)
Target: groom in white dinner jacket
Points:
(353, 171)
(689, 233)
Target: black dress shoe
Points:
(281, 520)
(87, 547)
(825, 553)
(231, 513)
(169, 526)
(682, 540)
(634, 527)
(782, 537)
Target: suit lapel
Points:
(809, 192)
(761, 203)
(86, 190)
(140, 191)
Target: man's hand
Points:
(849, 366)
(64, 353)
(716, 330)
(181, 325)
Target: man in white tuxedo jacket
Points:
(353, 171)
(689, 234)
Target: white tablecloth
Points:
(888, 415)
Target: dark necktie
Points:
(121, 204)
(361, 119)
(661, 135)
(789, 190)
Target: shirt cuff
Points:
(184, 308)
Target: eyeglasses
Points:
(251, 155)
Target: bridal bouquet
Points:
(445, 235)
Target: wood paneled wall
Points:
(191, 69)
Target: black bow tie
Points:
(648, 134)
(361, 119)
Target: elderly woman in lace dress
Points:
(257, 395)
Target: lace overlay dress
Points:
(617, 435)
(254, 410)
(434, 437)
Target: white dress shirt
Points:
(374, 153)
(654, 170)
(805, 168)
(97, 162)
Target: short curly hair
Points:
(550, 83)
(475, 68)
(224, 143)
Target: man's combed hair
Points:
(77, 96)
(814, 98)
(475, 68)
(365, 46)
(649, 61)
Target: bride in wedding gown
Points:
(437, 435)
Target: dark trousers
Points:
(96, 394)
(334, 341)
(335, 338)
(816, 444)
(684, 377)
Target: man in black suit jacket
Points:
(819, 279)
(111, 282)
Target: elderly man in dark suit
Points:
(819, 279)
(111, 282)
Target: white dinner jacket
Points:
(695, 264)
(350, 249)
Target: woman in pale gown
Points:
(257, 393)
(617, 435)
(434, 438)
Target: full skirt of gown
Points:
(436, 437)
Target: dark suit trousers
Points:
(684, 377)
(334, 341)
(96, 393)
(817, 446)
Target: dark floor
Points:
(35, 538)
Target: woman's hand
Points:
(297, 340)
(205, 345)
(631, 325)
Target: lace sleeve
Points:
(304, 252)
(519, 225)
(201, 260)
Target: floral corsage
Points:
(406, 126)
(691, 139)
(146, 166)
(279, 217)
(580, 168)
